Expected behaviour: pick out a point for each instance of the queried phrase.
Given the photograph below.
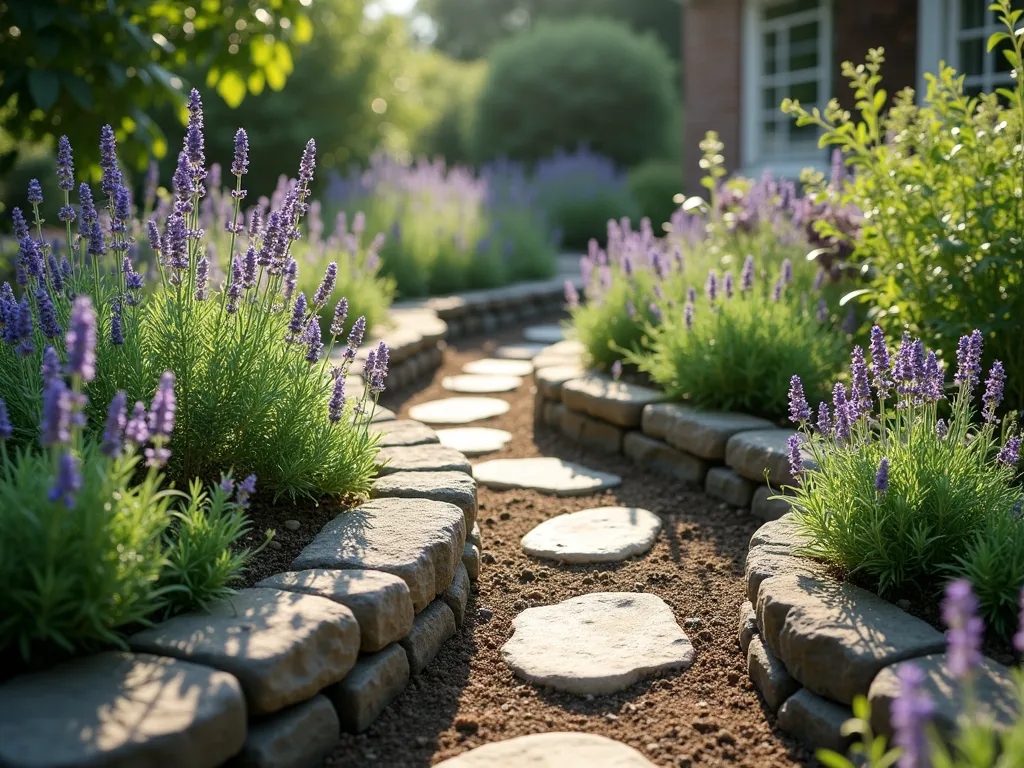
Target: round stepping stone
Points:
(520, 351)
(491, 367)
(478, 385)
(598, 643)
(547, 475)
(474, 441)
(458, 410)
(551, 750)
(602, 535)
(544, 334)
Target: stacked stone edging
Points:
(814, 643)
(272, 676)
(734, 457)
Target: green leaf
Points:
(80, 90)
(231, 88)
(256, 82)
(996, 39)
(832, 759)
(117, 74)
(48, 45)
(853, 295)
(44, 87)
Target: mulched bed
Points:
(707, 715)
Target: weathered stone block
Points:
(769, 674)
(282, 646)
(374, 682)
(474, 537)
(766, 562)
(380, 601)
(416, 539)
(551, 378)
(663, 458)
(783, 533)
(765, 507)
(815, 721)
(748, 625)
(457, 594)
(421, 458)
(403, 432)
(471, 559)
(657, 418)
(431, 629)
(723, 483)
(121, 710)
(593, 433)
(451, 487)
(553, 414)
(616, 402)
(752, 454)
(298, 737)
(706, 433)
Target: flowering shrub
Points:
(903, 498)
(90, 541)
(448, 230)
(977, 742)
(257, 394)
(942, 248)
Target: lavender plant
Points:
(258, 392)
(978, 740)
(90, 538)
(900, 496)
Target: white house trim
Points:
(933, 22)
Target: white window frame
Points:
(755, 157)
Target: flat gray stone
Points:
(751, 454)
(298, 737)
(474, 441)
(477, 384)
(725, 484)
(282, 646)
(471, 559)
(768, 674)
(544, 334)
(817, 626)
(474, 536)
(707, 433)
(457, 594)
(431, 629)
(766, 562)
(593, 433)
(600, 535)
(597, 643)
(380, 601)
(765, 507)
(421, 458)
(657, 418)
(380, 413)
(417, 539)
(546, 475)
(995, 694)
(374, 682)
(551, 750)
(554, 360)
(459, 410)
(567, 348)
(551, 378)
(403, 432)
(552, 415)
(456, 488)
(748, 625)
(783, 533)
(525, 351)
(491, 367)
(121, 710)
(663, 458)
(815, 721)
(602, 397)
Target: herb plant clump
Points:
(904, 498)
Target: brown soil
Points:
(709, 714)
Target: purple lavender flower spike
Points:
(68, 481)
(298, 321)
(932, 385)
(910, 713)
(860, 389)
(799, 410)
(358, 223)
(572, 296)
(340, 315)
(777, 290)
(249, 267)
(240, 163)
(941, 428)
(711, 285)
(850, 322)
(24, 328)
(194, 141)
(308, 163)
(6, 430)
(819, 281)
(163, 407)
(881, 363)
(55, 425)
(787, 272)
(617, 370)
(993, 391)
(291, 279)
(81, 339)
(136, 430)
(821, 315)
(842, 413)
(728, 285)
(1009, 455)
(882, 476)
(117, 419)
(824, 420)
(965, 629)
(796, 463)
(246, 488)
(313, 344)
(688, 315)
(50, 368)
(336, 405)
(234, 292)
(47, 314)
(656, 313)
(65, 165)
(379, 370)
(176, 242)
(227, 485)
(355, 336)
(202, 278)
(154, 236)
(108, 162)
(747, 274)
(326, 287)
(968, 356)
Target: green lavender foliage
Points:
(942, 248)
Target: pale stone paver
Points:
(479, 384)
(600, 535)
(492, 367)
(551, 750)
(547, 475)
(458, 410)
(544, 334)
(526, 351)
(474, 441)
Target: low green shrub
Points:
(654, 185)
(942, 249)
(585, 82)
(903, 499)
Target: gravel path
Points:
(707, 715)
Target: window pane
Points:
(772, 98)
(972, 13)
(972, 56)
(780, 9)
(807, 93)
(803, 46)
(802, 136)
(999, 62)
(770, 137)
(770, 43)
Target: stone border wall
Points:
(726, 454)
(814, 643)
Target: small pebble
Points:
(904, 604)
(526, 575)
(275, 544)
(693, 621)
(292, 525)
(505, 516)
(485, 614)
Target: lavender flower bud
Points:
(336, 405)
(65, 166)
(326, 287)
(122, 209)
(175, 247)
(993, 391)
(116, 327)
(132, 280)
(308, 163)
(655, 311)
(136, 430)
(824, 420)
(298, 321)
(6, 430)
(340, 315)
(796, 462)
(249, 267)
(777, 290)
(50, 368)
(163, 407)
(313, 345)
(35, 192)
(860, 389)
(799, 411)
(68, 481)
(617, 370)
(688, 315)
(910, 712)
(822, 314)
(1009, 456)
(882, 476)
(881, 363)
(787, 272)
(234, 291)
(240, 163)
(55, 274)
(117, 418)
(47, 315)
(819, 280)
(108, 162)
(963, 638)
(24, 328)
(968, 356)
(255, 222)
(379, 370)
(932, 385)
(152, 180)
(81, 339)
(55, 426)
(711, 286)
(841, 407)
(355, 336)
(20, 225)
(202, 278)
(246, 488)
(194, 142)
(728, 285)
(941, 428)
(572, 296)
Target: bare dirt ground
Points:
(708, 715)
